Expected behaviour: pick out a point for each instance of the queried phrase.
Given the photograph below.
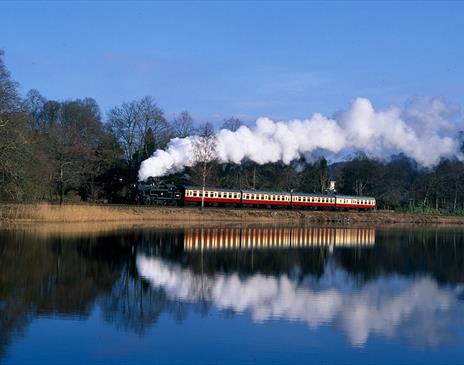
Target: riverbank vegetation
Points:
(129, 214)
(69, 151)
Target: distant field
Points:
(126, 213)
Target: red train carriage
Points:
(355, 202)
(193, 194)
(214, 196)
(265, 198)
(302, 200)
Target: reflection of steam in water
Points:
(416, 308)
(245, 238)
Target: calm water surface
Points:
(262, 295)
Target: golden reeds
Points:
(65, 213)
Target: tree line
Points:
(66, 150)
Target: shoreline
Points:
(83, 213)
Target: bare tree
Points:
(131, 123)
(34, 106)
(151, 120)
(204, 154)
(232, 124)
(183, 125)
(122, 121)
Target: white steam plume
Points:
(423, 131)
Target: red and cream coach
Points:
(269, 199)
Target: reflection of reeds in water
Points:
(72, 230)
(290, 237)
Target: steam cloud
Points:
(388, 306)
(423, 130)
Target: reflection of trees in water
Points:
(436, 252)
(61, 276)
(65, 277)
(53, 277)
(132, 304)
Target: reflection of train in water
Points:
(170, 194)
(289, 237)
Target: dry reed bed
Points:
(65, 213)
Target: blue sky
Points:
(248, 59)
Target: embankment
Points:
(126, 213)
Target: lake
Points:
(231, 295)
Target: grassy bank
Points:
(81, 213)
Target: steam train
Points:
(162, 193)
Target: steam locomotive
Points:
(162, 193)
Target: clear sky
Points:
(248, 59)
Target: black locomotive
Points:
(162, 193)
